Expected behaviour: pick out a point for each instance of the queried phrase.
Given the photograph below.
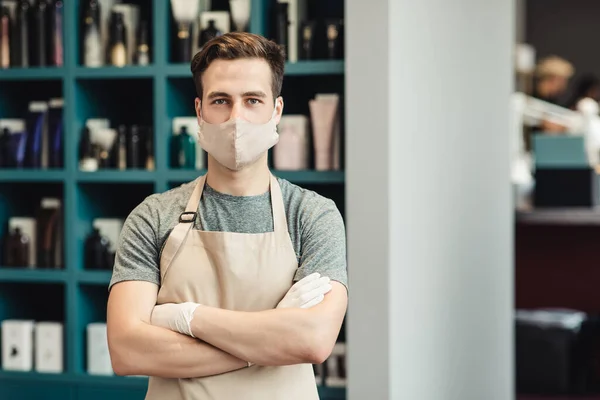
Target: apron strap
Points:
(279, 218)
(186, 222)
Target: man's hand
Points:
(307, 292)
(176, 317)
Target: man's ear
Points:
(198, 107)
(278, 109)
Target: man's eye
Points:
(254, 101)
(220, 101)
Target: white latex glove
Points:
(176, 317)
(307, 292)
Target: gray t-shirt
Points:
(315, 226)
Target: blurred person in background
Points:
(552, 76)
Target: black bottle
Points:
(210, 32)
(96, 252)
(134, 148)
(20, 47)
(335, 38)
(16, 249)
(118, 41)
(54, 35)
(39, 33)
(3, 145)
(307, 40)
(120, 148)
(142, 50)
(281, 25)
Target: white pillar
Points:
(429, 211)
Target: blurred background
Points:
(473, 274)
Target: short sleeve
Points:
(323, 243)
(137, 251)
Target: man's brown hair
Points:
(237, 45)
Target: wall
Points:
(429, 209)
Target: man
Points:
(202, 282)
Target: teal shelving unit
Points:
(151, 96)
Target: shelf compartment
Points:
(115, 176)
(33, 73)
(115, 72)
(92, 308)
(23, 199)
(34, 301)
(145, 10)
(16, 95)
(104, 200)
(32, 175)
(32, 275)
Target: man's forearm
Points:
(153, 351)
(272, 337)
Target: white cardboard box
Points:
(17, 345)
(98, 357)
(49, 347)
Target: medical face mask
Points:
(237, 143)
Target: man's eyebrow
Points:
(255, 94)
(212, 95)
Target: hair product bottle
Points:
(92, 43)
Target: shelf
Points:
(178, 71)
(115, 176)
(74, 378)
(32, 275)
(31, 175)
(312, 177)
(115, 72)
(319, 67)
(560, 216)
(33, 73)
(306, 177)
(94, 277)
(141, 382)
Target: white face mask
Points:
(237, 143)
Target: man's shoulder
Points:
(298, 194)
(303, 201)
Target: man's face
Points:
(238, 89)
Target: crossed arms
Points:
(226, 340)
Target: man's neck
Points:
(250, 181)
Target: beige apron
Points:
(234, 271)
